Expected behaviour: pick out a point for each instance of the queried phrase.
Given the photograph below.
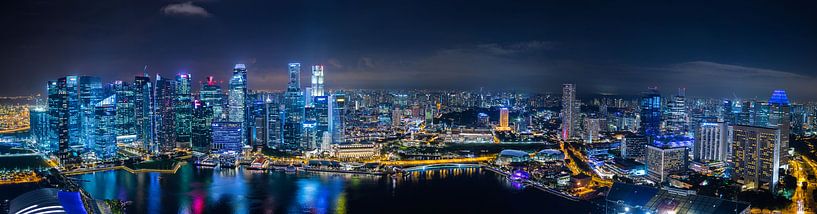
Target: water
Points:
(205, 190)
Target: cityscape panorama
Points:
(362, 106)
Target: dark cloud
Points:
(185, 9)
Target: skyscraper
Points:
(237, 100)
(164, 119)
(321, 108)
(294, 109)
(503, 120)
(183, 111)
(780, 117)
(125, 123)
(569, 114)
(143, 110)
(665, 159)
(317, 81)
(227, 136)
(210, 95)
(651, 113)
(203, 117)
(106, 128)
(337, 115)
(677, 121)
(274, 123)
(756, 155)
(71, 106)
(712, 142)
(38, 120)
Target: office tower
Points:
(650, 113)
(273, 123)
(483, 120)
(503, 120)
(430, 117)
(759, 115)
(294, 109)
(125, 125)
(210, 95)
(106, 131)
(633, 147)
(742, 112)
(321, 111)
(183, 111)
(727, 113)
(396, 117)
(317, 81)
(203, 117)
(569, 114)
(71, 109)
(143, 111)
(164, 118)
(227, 136)
(677, 121)
(337, 115)
(237, 98)
(780, 117)
(38, 121)
(665, 159)
(592, 128)
(712, 142)
(756, 155)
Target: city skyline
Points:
(739, 52)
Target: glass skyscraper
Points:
(164, 118)
(210, 95)
(106, 128)
(294, 109)
(569, 114)
(650, 113)
(203, 118)
(143, 110)
(183, 108)
(237, 99)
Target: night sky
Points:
(716, 49)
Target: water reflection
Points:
(208, 190)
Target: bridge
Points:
(440, 166)
(438, 161)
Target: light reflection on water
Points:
(206, 190)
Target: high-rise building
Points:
(274, 123)
(321, 110)
(780, 117)
(203, 117)
(143, 111)
(210, 95)
(503, 120)
(164, 118)
(227, 136)
(760, 113)
(125, 123)
(650, 113)
(337, 115)
(237, 99)
(712, 142)
(71, 108)
(756, 155)
(106, 128)
(183, 111)
(593, 126)
(633, 147)
(317, 81)
(294, 109)
(569, 114)
(665, 159)
(677, 121)
(38, 121)
(59, 113)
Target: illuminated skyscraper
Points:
(317, 81)
(294, 109)
(38, 120)
(164, 116)
(780, 117)
(183, 108)
(337, 115)
(106, 132)
(677, 121)
(756, 155)
(503, 120)
(665, 159)
(321, 108)
(203, 117)
(210, 95)
(651, 113)
(71, 107)
(237, 100)
(569, 115)
(143, 110)
(712, 142)
(274, 123)
(125, 125)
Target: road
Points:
(803, 201)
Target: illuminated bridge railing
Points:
(440, 166)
